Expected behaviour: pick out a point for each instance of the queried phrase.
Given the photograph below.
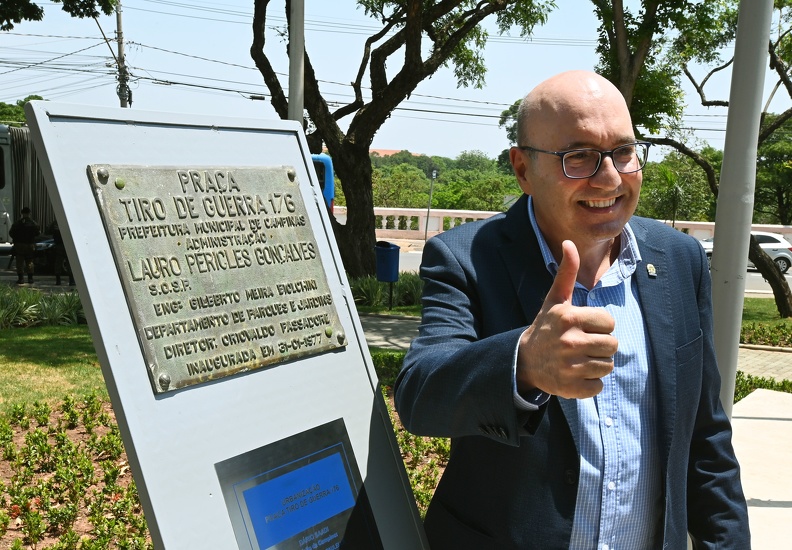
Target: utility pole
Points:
(737, 185)
(296, 61)
(123, 91)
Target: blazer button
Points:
(571, 476)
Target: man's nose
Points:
(607, 176)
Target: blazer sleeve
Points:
(457, 380)
(717, 511)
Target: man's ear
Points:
(520, 162)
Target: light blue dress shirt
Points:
(619, 499)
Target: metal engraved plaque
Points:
(220, 268)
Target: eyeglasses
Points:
(584, 163)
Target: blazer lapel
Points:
(523, 260)
(653, 282)
(531, 280)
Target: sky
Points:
(194, 58)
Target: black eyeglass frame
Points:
(562, 154)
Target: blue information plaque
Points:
(303, 492)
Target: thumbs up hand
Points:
(567, 349)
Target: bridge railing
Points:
(411, 223)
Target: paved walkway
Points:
(397, 332)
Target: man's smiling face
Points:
(574, 112)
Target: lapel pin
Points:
(650, 269)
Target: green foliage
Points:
(424, 163)
(61, 309)
(4, 520)
(54, 478)
(409, 288)
(466, 57)
(657, 93)
(400, 186)
(675, 189)
(387, 363)
(472, 181)
(369, 292)
(659, 38)
(508, 120)
(16, 11)
(773, 193)
(18, 307)
(746, 383)
(472, 190)
(14, 115)
(425, 458)
(778, 335)
(26, 307)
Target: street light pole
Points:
(429, 208)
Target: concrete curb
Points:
(759, 347)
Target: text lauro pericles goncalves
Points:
(184, 237)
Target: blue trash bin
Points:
(387, 255)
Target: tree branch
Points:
(646, 33)
(778, 65)
(622, 46)
(357, 85)
(278, 98)
(709, 171)
(779, 121)
(387, 95)
(700, 87)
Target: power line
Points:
(316, 26)
(50, 60)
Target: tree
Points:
(642, 54)
(773, 194)
(400, 186)
(643, 57)
(14, 115)
(676, 189)
(16, 11)
(417, 39)
(473, 182)
(780, 51)
(423, 162)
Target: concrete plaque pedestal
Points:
(226, 330)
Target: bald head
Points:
(572, 95)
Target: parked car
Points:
(775, 245)
(44, 258)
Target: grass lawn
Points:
(762, 310)
(47, 363)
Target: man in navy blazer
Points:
(566, 348)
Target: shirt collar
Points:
(626, 261)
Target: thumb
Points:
(565, 278)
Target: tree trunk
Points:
(356, 238)
(774, 277)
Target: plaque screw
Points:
(103, 174)
(291, 173)
(341, 338)
(164, 381)
(329, 332)
(119, 183)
